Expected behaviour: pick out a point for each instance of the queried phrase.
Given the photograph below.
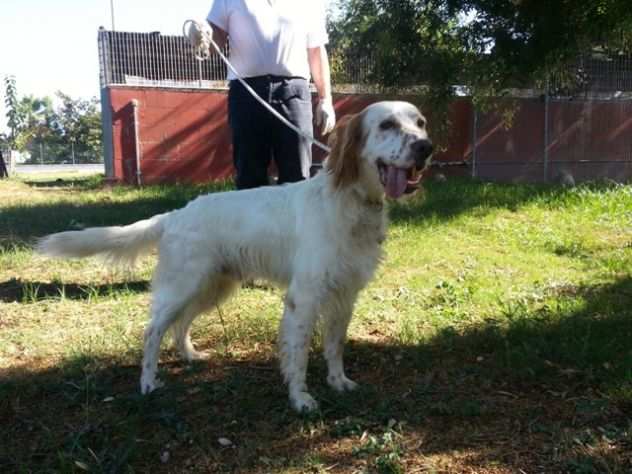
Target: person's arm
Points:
(219, 36)
(321, 74)
(319, 68)
(218, 19)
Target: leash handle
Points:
(202, 55)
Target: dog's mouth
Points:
(398, 181)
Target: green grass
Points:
(496, 336)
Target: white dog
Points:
(321, 238)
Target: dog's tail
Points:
(120, 245)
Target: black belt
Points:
(270, 78)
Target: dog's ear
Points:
(346, 142)
(338, 130)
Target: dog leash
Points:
(202, 53)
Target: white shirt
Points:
(270, 36)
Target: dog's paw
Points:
(303, 402)
(341, 383)
(149, 384)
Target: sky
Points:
(52, 45)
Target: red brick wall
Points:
(184, 134)
(503, 153)
(591, 140)
(184, 137)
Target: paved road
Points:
(35, 169)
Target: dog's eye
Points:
(421, 123)
(388, 124)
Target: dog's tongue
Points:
(396, 182)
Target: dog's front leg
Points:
(336, 317)
(297, 325)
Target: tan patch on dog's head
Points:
(346, 143)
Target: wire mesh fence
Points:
(595, 74)
(152, 59)
(155, 60)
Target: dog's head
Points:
(383, 147)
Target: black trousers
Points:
(3, 167)
(259, 137)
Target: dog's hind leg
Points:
(216, 292)
(172, 294)
(181, 332)
(163, 313)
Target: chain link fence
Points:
(42, 153)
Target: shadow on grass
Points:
(548, 391)
(17, 290)
(83, 183)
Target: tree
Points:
(13, 115)
(40, 127)
(489, 46)
(35, 116)
(78, 121)
(494, 43)
(529, 40)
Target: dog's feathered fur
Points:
(320, 238)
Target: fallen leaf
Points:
(224, 442)
(81, 465)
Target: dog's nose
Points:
(422, 150)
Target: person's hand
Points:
(200, 35)
(325, 116)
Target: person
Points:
(3, 167)
(275, 45)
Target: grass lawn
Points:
(495, 338)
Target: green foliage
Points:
(36, 123)
(11, 104)
(484, 44)
(35, 116)
(489, 46)
(79, 121)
